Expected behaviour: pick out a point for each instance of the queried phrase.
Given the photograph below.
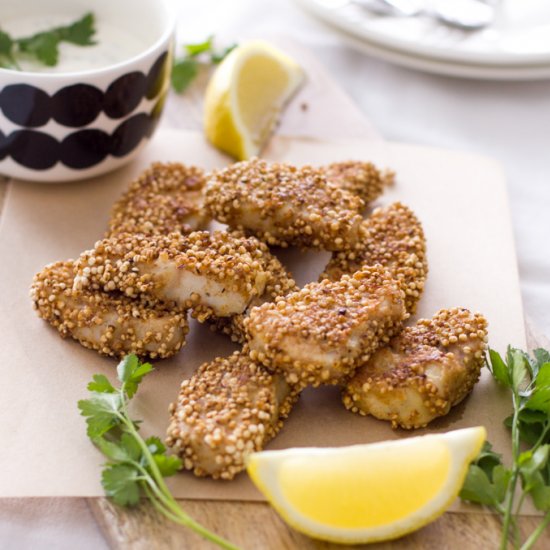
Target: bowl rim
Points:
(115, 67)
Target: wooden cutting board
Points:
(254, 525)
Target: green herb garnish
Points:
(187, 67)
(135, 466)
(489, 481)
(44, 46)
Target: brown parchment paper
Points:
(461, 200)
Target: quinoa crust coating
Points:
(359, 178)
(426, 370)
(394, 238)
(212, 273)
(319, 334)
(228, 409)
(111, 324)
(279, 283)
(167, 197)
(284, 205)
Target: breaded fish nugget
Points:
(166, 198)
(319, 334)
(359, 178)
(426, 370)
(211, 273)
(284, 205)
(394, 238)
(228, 409)
(111, 324)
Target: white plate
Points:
(519, 37)
(463, 70)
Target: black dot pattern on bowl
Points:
(85, 148)
(81, 149)
(124, 94)
(3, 146)
(157, 76)
(25, 105)
(80, 104)
(33, 149)
(156, 111)
(127, 136)
(77, 105)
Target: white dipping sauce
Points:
(113, 44)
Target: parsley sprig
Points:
(489, 481)
(135, 466)
(44, 46)
(186, 68)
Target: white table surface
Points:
(508, 121)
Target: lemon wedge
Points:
(246, 95)
(366, 493)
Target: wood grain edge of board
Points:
(255, 525)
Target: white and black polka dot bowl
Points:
(100, 105)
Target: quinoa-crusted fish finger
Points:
(212, 273)
(359, 178)
(228, 409)
(284, 205)
(279, 283)
(394, 238)
(111, 324)
(167, 197)
(319, 334)
(426, 370)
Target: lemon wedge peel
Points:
(245, 96)
(324, 517)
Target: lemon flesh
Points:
(246, 95)
(367, 499)
(366, 493)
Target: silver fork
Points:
(463, 14)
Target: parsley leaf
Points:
(491, 483)
(127, 367)
(80, 32)
(531, 425)
(155, 445)
(487, 458)
(219, 56)
(196, 49)
(498, 368)
(102, 411)
(540, 398)
(540, 492)
(101, 384)
(541, 358)
(44, 46)
(184, 72)
(478, 487)
(135, 467)
(519, 368)
(131, 372)
(6, 44)
(121, 483)
(6, 50)
(196, 56)
(168, 465)
(486, 479)
(114, 451)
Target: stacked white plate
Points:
(516, 46)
